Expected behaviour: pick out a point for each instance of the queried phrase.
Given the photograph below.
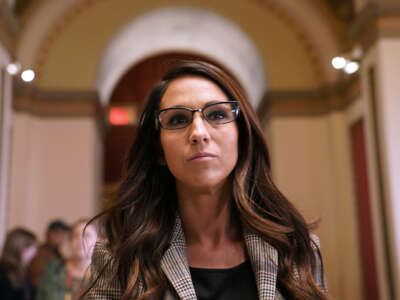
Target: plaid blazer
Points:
(263, 257)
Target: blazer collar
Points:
(264, 260)
(175, 265)
(263, 257)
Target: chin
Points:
(206, 181)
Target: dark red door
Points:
(363, 203)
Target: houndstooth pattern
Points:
(318, 272)
(103, 288)
(263, 257)
(175, 265)
(264, 260)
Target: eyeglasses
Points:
(215, 114)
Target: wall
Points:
(311, 164)
(5, 138)
(55, 170)
(388, 50)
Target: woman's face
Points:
(201, 155)
(82, 242)
(28, 254)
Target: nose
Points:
(198, 130)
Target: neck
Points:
(206, 215)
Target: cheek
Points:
(76, 244)
(28, 254)
(170, 147)
(229, 142)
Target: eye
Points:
(217, 114)
(177, 119)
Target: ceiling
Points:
(342, 9)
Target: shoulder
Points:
(54, 266)
(45, 253)
(102, 259)
(46, 249)
(4, 276)
(102, 245)
(101, 253)
(103, 284)
(6, 289)
(318, 270)
(3, 269)
(315, 242)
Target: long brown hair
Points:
(138, 225)
(17, 240)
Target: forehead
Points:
(191, 91)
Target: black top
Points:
(235, 283)
(9, 292)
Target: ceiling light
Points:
(339, 62)
(28, 75)
(13, 68)
(351, 67)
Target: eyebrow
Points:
(207, 103)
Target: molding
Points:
(58, 104)
(54, 103)
(9, 27)
(374, 22)
(69, 104)
(73, 10)
(9, 19)
(314, 102)
(302, 35)
(301, 29)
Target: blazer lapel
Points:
(264, 260)
(175, 265)
(263, 257)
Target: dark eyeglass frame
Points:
(236, 106)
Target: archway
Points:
(183, 30)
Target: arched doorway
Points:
(183, 30)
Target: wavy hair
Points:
(143, 213)
(17, 240)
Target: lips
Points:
(201, 156)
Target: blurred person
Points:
(57, 232)
(19, 249)
(197, 215)
(65, 279)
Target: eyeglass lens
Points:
(215, 114)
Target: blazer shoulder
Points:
(318, 272)
(104, 285)
(101, 249)
(315, 242)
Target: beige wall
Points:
(363, 109)
(311, 164)
(5, 138)
(388, 75)
(55, 170)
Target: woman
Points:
(19, 249)
(64, 280)
(197, 215)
